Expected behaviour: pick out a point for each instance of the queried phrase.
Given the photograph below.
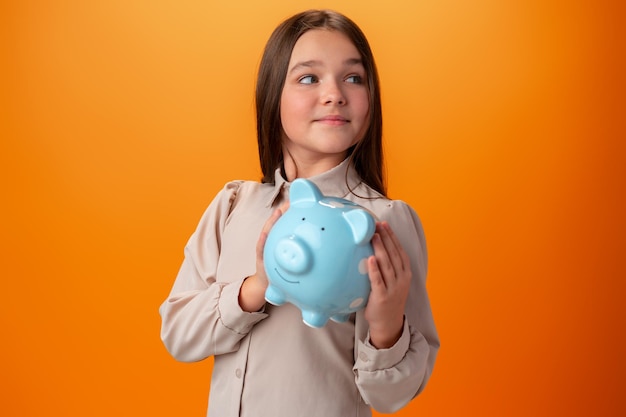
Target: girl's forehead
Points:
(322, 44)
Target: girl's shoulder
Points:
(237, 195)
(388, 210)
(398, 213)
(235, 187)
(382, 206)
(246, 192)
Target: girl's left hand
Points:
(390, 277)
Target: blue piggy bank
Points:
(316, 255)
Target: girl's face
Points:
(325, 102)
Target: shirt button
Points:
(363, 357)
(238, 373)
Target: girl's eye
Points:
(308, 79)
(355, 79)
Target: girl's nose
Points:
(333, 95)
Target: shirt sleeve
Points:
(201, 316)
(389, 378)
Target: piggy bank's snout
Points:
(292, 254)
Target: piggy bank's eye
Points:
(304, 218)
(323, 228)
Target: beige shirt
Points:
(270, 363)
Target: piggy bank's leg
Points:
(340, 318)
(274, 295)
(314, 319)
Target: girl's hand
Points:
(252, 293)
(390, 277)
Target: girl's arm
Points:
(252, 293)
(202, 317)
(393, 361)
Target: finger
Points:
(272, 220)
(260, 244)
(376, 279)
(382, 259)
(396, 242)
(398, 257)
(401, 260)
(269, 223)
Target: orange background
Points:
(504, 129)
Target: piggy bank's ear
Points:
(362, 225)
(302, 190)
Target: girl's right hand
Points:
(252, 293)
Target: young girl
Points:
(318, 117)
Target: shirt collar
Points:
(336, 182)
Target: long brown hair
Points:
(367, 155)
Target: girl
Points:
(318, 117)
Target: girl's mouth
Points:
(333, 120)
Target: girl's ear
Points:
(302, 190)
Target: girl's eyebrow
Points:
(350, 62)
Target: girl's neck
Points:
(303, 168)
